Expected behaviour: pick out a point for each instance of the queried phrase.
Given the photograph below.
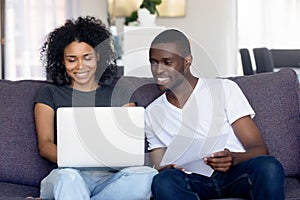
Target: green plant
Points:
(149, 5)
(132, 18)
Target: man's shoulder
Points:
(218, 82)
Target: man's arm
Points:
(156, 157)
(250, 137)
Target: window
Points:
(268, 23)
(26, 24)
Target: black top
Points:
(65, 96)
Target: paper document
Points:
(190, 155)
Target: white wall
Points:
(211, 24)
(97, 8)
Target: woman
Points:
(79, 59)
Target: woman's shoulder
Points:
(51, 87)
(49, 90)
(46, 87)
(54, 96)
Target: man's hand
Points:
(220, 161)
(170, 166)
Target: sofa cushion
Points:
(142, 90)
(292, 188)
(20, 161)
(275, 99)
(17, 191)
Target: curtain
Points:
(269, 23)
(27, 22)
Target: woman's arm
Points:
(44, 122)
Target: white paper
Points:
(191, 156)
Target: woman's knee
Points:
(68, 175)
(65, 177)
(139, 177)
(62, 184)
(65, 174)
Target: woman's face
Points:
(80, 60)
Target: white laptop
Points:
(100, 136)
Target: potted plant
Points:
(149, 6)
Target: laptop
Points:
(102, 137)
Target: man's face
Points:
(167, 65)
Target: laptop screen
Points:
(100, 136)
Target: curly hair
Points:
(84, 29)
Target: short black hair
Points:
(174, 36)
(84, 29)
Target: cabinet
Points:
(136, 44)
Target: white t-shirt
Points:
(211, 109)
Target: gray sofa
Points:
(274, 96)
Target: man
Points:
(195, 115)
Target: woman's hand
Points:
(130, 104)
(220, 161)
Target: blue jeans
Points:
(132, 183)
(259, 178)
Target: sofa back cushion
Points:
(273, 96)
(20, 161)
(275, 99)
(142, 90)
